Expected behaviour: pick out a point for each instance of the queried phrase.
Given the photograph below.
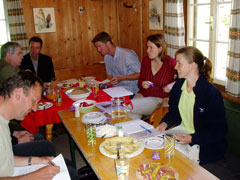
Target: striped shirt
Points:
(125, 62)
(163, 77)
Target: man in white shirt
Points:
(19, 96)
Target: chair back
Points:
(157, 115)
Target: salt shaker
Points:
(77, 110)
(120, 131)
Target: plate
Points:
(127, 156)
(109, 132)
(94, 118)
(44, 105)
(154, 143)
(67, 83)
(145, 171)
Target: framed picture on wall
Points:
(156, 14)
(44, 20)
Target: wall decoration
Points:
(44, 20)
(156, 14)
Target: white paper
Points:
(59, 161)
(177, 129)
(117, 92)
(133, 128)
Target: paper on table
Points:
(177, 129)
(117, 92)
(133, 128)
(104, 81)
(59, 161)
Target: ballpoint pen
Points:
(145, 129)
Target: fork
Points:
(118, 149)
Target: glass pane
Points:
(2, 16)
(223, 21)
(202, 16)
(220, 61)
(203, 47)
(224, 0)
(200, 1)
(3, 32)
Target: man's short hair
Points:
(36, 39)
(103, 37)
(9, 47)
(23, 79)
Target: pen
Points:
(51, 163)
(145, 129)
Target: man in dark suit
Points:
(38, 63)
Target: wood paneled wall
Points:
(70, 46)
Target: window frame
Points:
(213, 31)
(6, 20)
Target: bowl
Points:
(76, 97)
(87, 108)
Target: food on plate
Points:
(85, 104)
(106, 130)
(128, 146)
(66, 85)
(156, 171)
(41, 105)
(77, 91)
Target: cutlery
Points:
(118, 149)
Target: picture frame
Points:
(44, 20)
(156, 14)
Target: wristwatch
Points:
(30, 160)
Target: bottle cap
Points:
(119, 127)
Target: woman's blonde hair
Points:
(192, 54)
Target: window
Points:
(208, 30)
(4, 31)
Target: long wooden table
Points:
(104, 167)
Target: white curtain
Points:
(233, 67)
(174, 26)
(16, 24)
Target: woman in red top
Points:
(156, 77)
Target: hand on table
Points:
(183, 138)
(162, 127)
(115, 80)
(23, 136)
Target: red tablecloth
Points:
(49, 116)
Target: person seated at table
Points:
(197, 106)
(11, 58)
(22, 140)
(122, 65)
(158, 68)
(37, 62)
(19, 96)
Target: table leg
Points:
(49, 131)
(73, 147)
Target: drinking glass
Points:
(59, 96)
(122, 168)
(169, 145)
(91, 133)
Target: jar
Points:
(120, 131)
(118, 108)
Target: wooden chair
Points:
(157, 115)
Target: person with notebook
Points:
(19, 95)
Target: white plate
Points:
(45, 105)
(67, 83)
(108, 134)
(94, 117)
(154, 143)
(128, 156)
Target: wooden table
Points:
(104, 167)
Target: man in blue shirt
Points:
(122, 65)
